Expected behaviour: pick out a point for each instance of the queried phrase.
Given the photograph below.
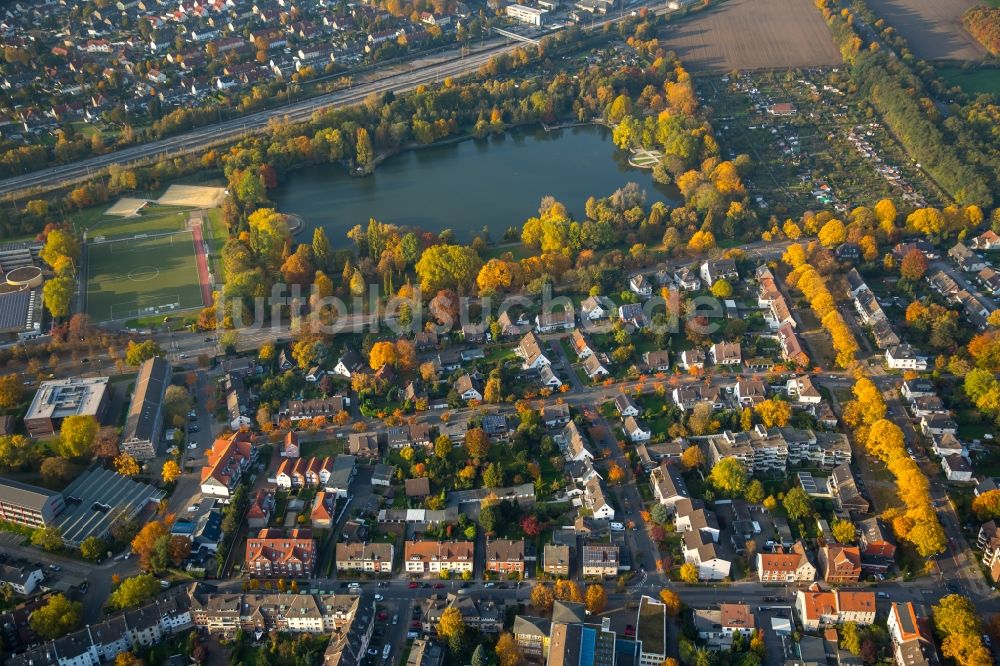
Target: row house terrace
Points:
(225, 613)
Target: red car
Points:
(438, 586)
(382, 615)
(629, 630)
(413, 585)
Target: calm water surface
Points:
(497, 182)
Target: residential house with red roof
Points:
(840, 564)
(228, 459)
(272, 554)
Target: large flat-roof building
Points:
(651, 632)
(523, 14)
(96, 499)
(28, 505)
(144, 425)
(55, 400)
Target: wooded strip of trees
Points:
(983, 23)
(948, 149)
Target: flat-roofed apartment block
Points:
(55, 400)
(651, 632)
(28, 505)
(144, 425)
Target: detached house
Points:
(530, 349)
(802, 390)
(702, 551)
(668, 485)
(350, 364)
(640, 284)
(581, 345)
(594, 368)
(625, 406)
(595, 308)
(687, 279)
(691, 358)
(904, 357)
(726, 353)
(722, 269)
(548, 322)
(988, 240)
(596, 499)
(635, 431)
(600, 560)
(656, 361)
(574, 443)
(468, 388)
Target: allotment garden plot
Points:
(142, 267)
(810, 144)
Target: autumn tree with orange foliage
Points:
(913, 265)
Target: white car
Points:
(379, 597)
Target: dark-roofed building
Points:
(425, 653)
(417, 488)
(876, 540)
(144, 425)
(668, 485)
(556, 559)
(20, 309)
(22, 579)
(96, 499)
(844, 489)
(29, 505)
(575, 644)
(101, 643)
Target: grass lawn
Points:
(153, 219)
(497, 354)
(971, 424)
(973, 81)
(144, 277)
(322, 448)
(216, 234)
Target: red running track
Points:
(202, 261)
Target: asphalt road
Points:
(66, 174)
(451, 64)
